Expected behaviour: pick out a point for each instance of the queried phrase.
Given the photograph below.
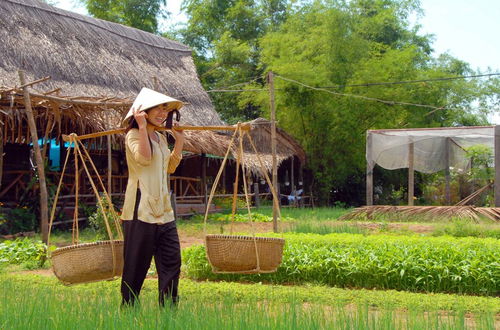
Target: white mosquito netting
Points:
(390, 148)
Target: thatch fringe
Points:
(428, 213)
(65, 116)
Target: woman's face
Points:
(158, 115)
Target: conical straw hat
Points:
(148, 99)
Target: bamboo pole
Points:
(270, 78)
(245, 127)
(81, 102)
(44, 220)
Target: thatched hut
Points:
(96, 68)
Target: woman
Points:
(147, 216)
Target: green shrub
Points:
(428, 264)
(16, 220)
(464, 228)
(23, 252)
(96, 220)
(226, 203)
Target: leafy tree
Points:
(141, 14)
(225, 36)
(339, 46)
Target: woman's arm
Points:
(176, 155)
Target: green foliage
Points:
(335, 44)
(141, 14)
(17, 220)
(24, 252)
(481, 158)
(97, 220)
(225, 36)
(444, 264)
(463, 183)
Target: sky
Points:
(466, 29)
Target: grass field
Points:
(40, 302)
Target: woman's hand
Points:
(140, 117)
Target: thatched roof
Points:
(216, 143)
(96, 69)
(92, 58)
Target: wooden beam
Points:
(27, 84)
(270, 80)
(44, 210)
(411, 173)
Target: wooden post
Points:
(497, 166)
(110, 159)
(292, 183)
(411, 173)
(1, 157)
(204, 177)
(447, 191)
(270, 79)
(369, 169)
(44, 210)
(256, 193)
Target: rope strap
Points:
(77, 146)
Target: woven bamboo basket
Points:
(89, 262)
(236, 254)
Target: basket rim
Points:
(244, 238)
(84, 245)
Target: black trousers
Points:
(143, 241)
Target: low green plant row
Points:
(239, 217)
(418, 264)
(25, 252)
(210, 292)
